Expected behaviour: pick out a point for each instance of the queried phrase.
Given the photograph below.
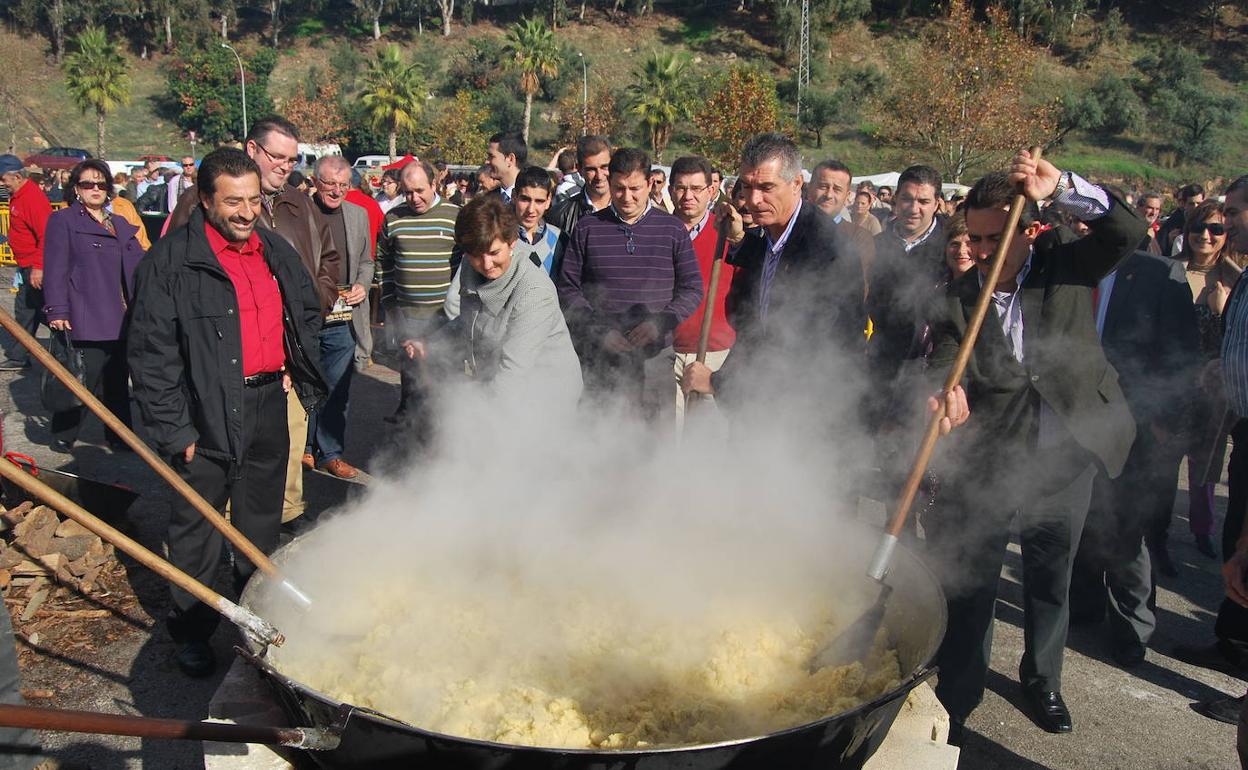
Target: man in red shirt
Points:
(212, 359)
(693, 192)
(28, 218)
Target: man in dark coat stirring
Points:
(1046, 415)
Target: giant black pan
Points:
(915, 617)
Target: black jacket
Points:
(899, 298)
(1063, 362)
(566, 213)
(185, 348)
(1151, 338)
(815, 309)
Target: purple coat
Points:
(84, 270)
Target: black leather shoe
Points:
(62, 446)
(196, 659)
(1223, 709)
(957, 732)
(1219, 656)
(1050, 709)
(1129, 655)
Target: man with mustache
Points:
(224, 324)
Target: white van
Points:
(365, 162)
(308, 153)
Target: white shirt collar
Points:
(614, 211)
(778, 245)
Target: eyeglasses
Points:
(105, 186)
(631, 245)
(1215, 228)
(679, 190)
(334, 185)
(192, 165)
(278, 160)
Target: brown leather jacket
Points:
(296, 219)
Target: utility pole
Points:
(803, 57)
(242, 84)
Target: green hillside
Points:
(39, 112)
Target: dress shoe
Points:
(1050, 709)
(957, 732)
(1222, 709)
(1219, 656)
(1161, 558)
(1129, 655)
(340, 468)
(308, 461)
(196, 659)
(62, 446)
(1204, 544)
(9, 365)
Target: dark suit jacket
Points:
(1151, 338)
(900, 285)
(1063, 362)
(815, 301)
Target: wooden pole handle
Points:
(252, 625)
(62, 720)
(973, 326)
(236, 538)
(708, 313)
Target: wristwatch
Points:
(1063, 184)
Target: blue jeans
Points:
(327, 426)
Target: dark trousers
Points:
(108, 377)
(1112, 567)
(1232, 623)
(28, 312)
(967, 534)
(19, 747)
(255, 497)
(327, 426)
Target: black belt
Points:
(261, 379)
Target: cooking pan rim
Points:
(918, 674)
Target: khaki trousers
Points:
(714, 360)
(297, 422)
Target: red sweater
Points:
(376, 217)
(28, 220)
(685, 338)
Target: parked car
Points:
(57, 157)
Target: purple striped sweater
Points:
(603, 285)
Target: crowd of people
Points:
(1116, 345)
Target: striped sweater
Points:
(416, 257)
(615, 276)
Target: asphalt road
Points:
(1137, 720)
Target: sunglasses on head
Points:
(105, 186)
(1215, 228)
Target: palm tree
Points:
(660, 96)
(393, 94)
(96, 78)
(532, 51)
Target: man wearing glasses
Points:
(273, 143)
(628, 279)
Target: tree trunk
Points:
(819, 138)
(275, 12)
(377, 25)
(394, 140)
(582, 16)
(168, 32)
(528, 113)
(99, 134)
(224, 29)
(56, 17)
(448, 10)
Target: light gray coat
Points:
(359, 269)
(513, 335)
